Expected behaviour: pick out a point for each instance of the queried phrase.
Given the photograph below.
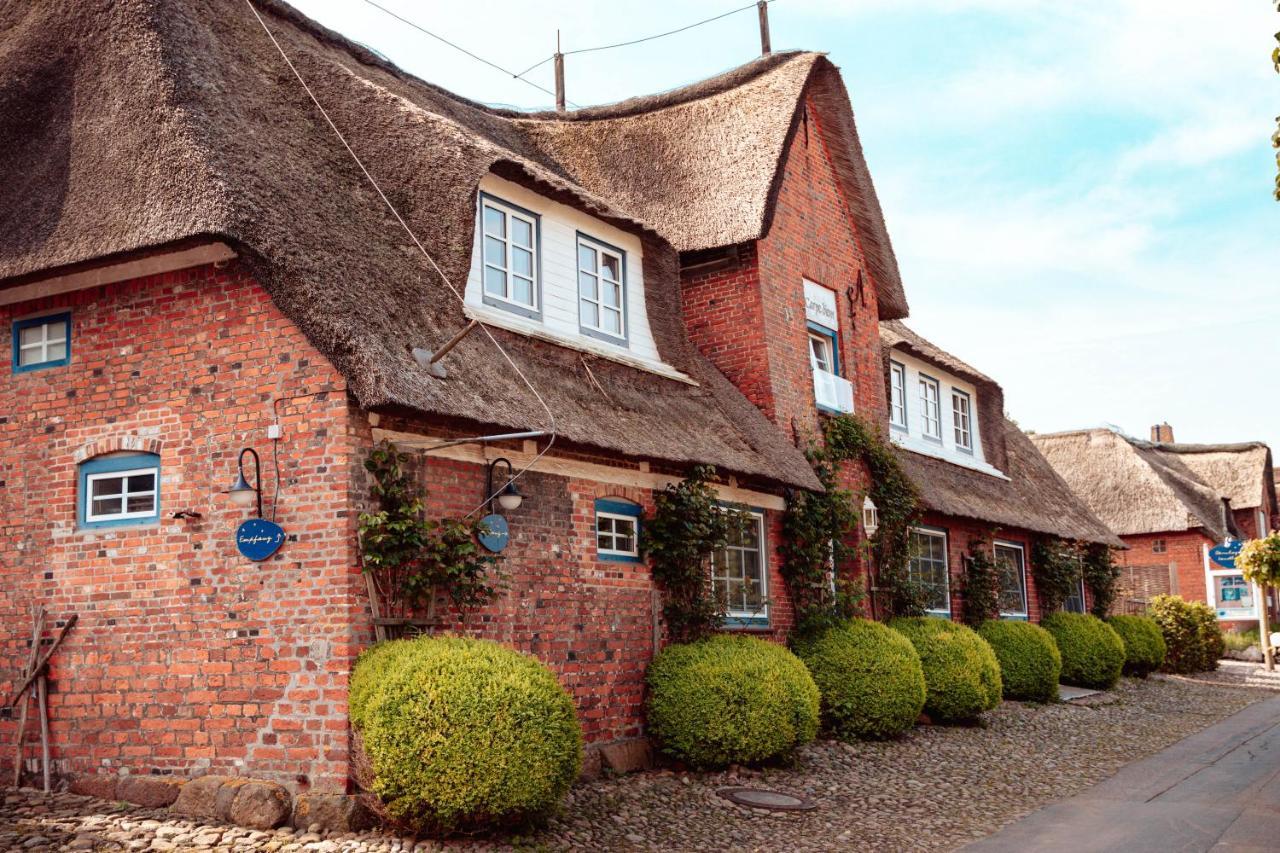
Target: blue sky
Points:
(1079, 194)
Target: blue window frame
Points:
(740, 573)
(830, 342)
(602, 290)
(119, 490)
(510, 240)
(618, 530)
(40, 342)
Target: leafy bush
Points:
(1092, 653)
(961, 673)
(981, 585)
(730, 699)
(462, 733)
(1030, 664)
(1192, 638)
(1238, 641)
(1143, 644)
(869, 678)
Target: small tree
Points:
(981, 585)
(1259, 562)
(1100, 576)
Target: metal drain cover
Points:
(759, 798)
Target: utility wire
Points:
(551, 426)
(659, 35)
(462, 49)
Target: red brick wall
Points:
(187, 658)
(960, 532)
(1183, 556)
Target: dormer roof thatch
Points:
(139, 124)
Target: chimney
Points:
(1162, 433)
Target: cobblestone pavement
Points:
(936, 788)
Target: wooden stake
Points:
(1264, 630)
(38, 629)
(559, 76)
(42, 694)
(44, 659)
(763, 8)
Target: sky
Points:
(1079, 194)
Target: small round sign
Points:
(495, 534)
(258, 538)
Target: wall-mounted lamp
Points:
(241, 492)
(509, 498)
(870, 516)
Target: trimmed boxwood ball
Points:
(1030, 664)
(462, 733)
(1144, 647)
(961, 673)
(869, 677)
(730, 699)
(1092, 653)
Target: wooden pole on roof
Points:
(763, 8)
(559, 76)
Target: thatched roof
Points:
(720, 144)
(1033, 497)
(1143, 487)
(136, 124)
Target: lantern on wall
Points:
(870, 516)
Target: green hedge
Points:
(730, 699)
(961, 673)
(869, 677)
(1144, 647)
(1030, 664)
(1193, 641)
(462, 733)
(1092, 653)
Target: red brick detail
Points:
(1181, 562)
(114, 443)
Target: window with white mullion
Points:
(820, 357)
(1011, 570)
(118, 495)
(738, 571)
(897, 395)
(616, 534)
(510, 255)
(928, 567)
(930, 408)
(962, 419)
(600, 289)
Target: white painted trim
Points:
(208, 253)
(635, 534)
(571, 468)
(1211, 595)
(124, 495)
(1025, 613)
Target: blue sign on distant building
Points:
(1224, 556)
(258, 538)
(496, 534)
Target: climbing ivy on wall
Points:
(1056, 567)
(1100, 577)
(981, 585)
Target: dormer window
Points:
(961, 420)
(930, 408)
(601, 289)
(897, 395)
(510, 256)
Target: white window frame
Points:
(927, 384)
(42, 345)
(962, 419)
(824, 342)
(898, 390)
(1211, 573)
(614, 518)
(936, 533)
(91, 517)
(510, 211)
(760, 615)
(600, 249)
(1024, 613)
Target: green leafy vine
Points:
(981, 585)
(1056, 567)
(1101, 575)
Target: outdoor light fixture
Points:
(509, 498)
(241, 492)
(870, 516)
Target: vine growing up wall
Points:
(1056, 567)
(1101, 575)
(981, 585)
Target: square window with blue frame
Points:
(119, 490)
(618, 530)
(41, 342)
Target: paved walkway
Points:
(1216, 790)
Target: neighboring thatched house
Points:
(984, 485)
(192, 266)
(1172, 504)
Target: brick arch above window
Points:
(115, 444)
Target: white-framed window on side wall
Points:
(740, 573)
(511, 256)
(897, 395)
(928, 567)
(962, 420)
(602, 294)
(1011, 571)
(832, 392)
(930, 408)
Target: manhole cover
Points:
(759, 798)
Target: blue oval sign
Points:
(258, 538)
(495, 534)
(1225, 555)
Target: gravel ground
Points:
(936, 788)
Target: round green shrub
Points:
(1030, 664)
(1092, 653)
(1192, 637)
(961, 673)
(730, 699)
(462, 733)
(1144, 647)
(869, 677)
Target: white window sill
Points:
(534, 329)
(936, 450)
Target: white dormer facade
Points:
(550, 271)
(935, 413)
